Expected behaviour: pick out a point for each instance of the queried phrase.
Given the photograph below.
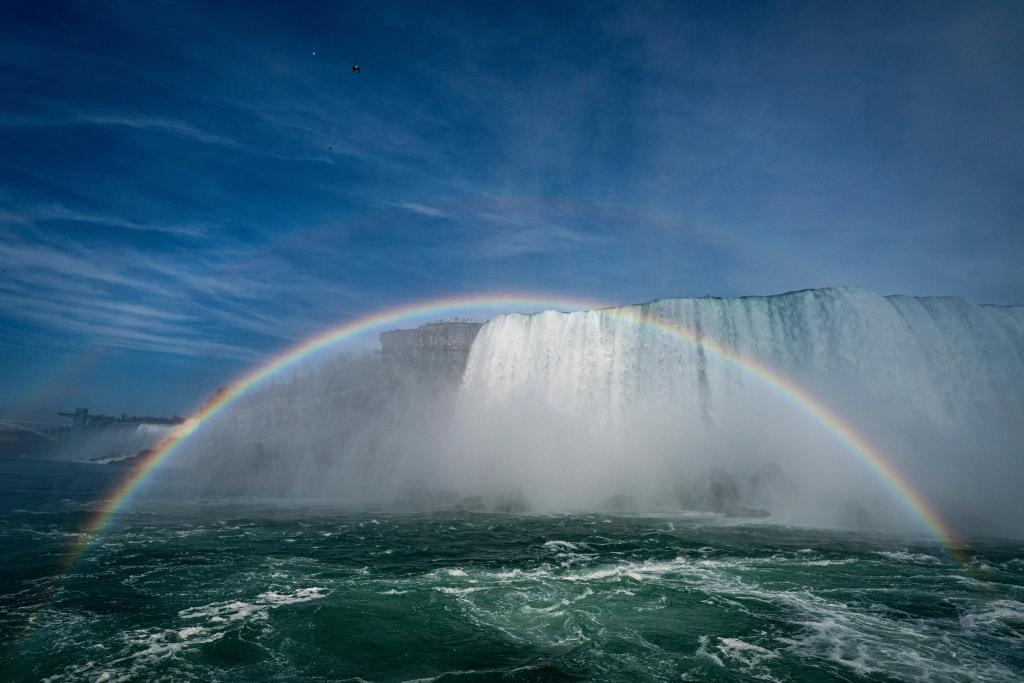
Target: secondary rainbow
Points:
(804, 401)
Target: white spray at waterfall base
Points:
(597, 410)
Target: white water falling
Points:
(574, 408)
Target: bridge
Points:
(47, 430)
(82, 421)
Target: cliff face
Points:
(436, 352)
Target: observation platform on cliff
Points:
(83, 419)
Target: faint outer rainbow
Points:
(810, 405)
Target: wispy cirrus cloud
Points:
(424, 210)
(174, 127)
(58, 212)
(172, 303)
(118, 120)
(549, 239)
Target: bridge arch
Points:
(25, 427)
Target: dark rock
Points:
(724, 491)
(768, 476)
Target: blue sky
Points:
(185, 191)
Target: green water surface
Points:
(232, 594)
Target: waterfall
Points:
(735, 407)
(579, 408)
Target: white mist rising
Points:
(593, 410)
(585, 406)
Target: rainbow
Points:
(794, 394)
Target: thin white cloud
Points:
(423, 210)
(172, 126)
(183, 302)
(137, 121)
(534, 240)
(59, 212)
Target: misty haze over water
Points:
(594, 410)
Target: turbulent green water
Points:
(232, 594)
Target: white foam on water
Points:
(905, 556)
(871, 643)
(142, 648)
(457, 591)
(187, 633)
(274, 599)
(561, 545)
(539, 604)
(221, 612)
(741, 651)
(702, 651)
(75, 672)
(996, 616)
(828, 563)
(567, 559)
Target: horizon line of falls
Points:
(598, 411)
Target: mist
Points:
(121, 444)
(593, 411)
